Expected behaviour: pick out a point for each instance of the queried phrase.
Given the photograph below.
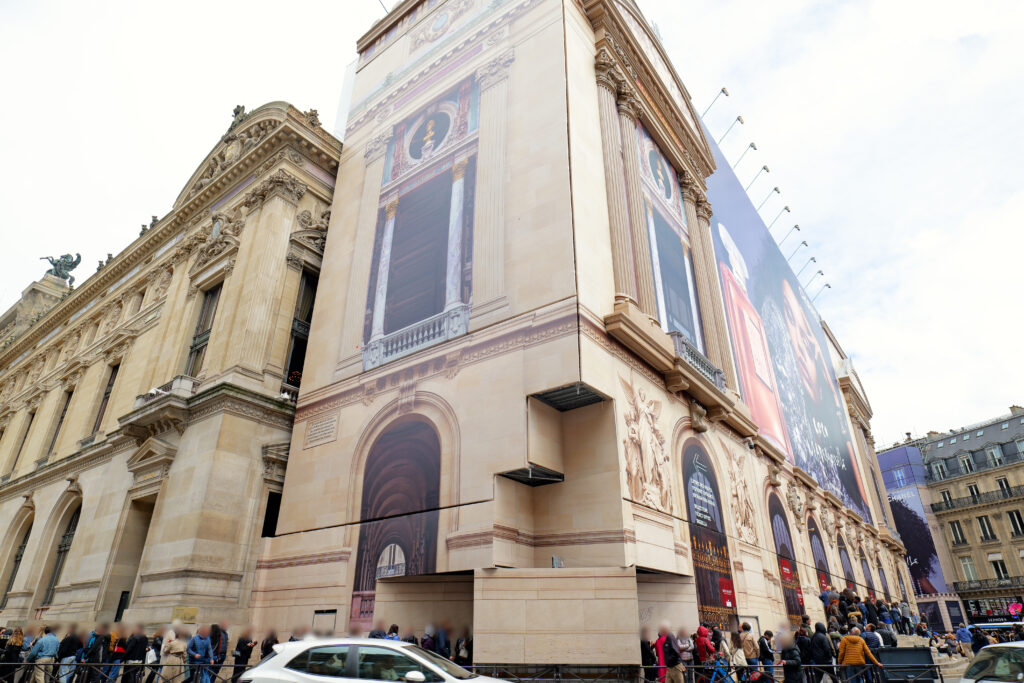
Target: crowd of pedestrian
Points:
(845, 648)
(176, 654)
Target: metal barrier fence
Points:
(117, 672)
(72, 672)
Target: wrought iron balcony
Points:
(954, 470)
(980, 499)
(989, 584)
(697, 360)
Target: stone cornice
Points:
(218, 399)
(665, 114)
(315, 144)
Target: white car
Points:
(356, 659)
(1002, 663)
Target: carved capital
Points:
(495, 71)
(629, 105)
(376, 147)
(608, 75)
(391, 209)
(282, 183)
(459, 169)
(704, 209)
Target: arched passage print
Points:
(868, 579)
(399, 510)
(844, 560)
(821, 569)
(716, 597)
(786, 555)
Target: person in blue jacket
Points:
(200, 655)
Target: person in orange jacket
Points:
(853, 657)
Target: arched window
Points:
(19, 553)
(63, 546)
(786, 556)
(884, 580)
(864, 567)
(712, 570)
(844, 559)
(818, 553)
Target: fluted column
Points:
(489, 217)
(380, 294)
(453, 271)
(709, 290)
(614, 180)
(628, 116)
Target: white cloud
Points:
(892, 129)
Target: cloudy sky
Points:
(891, 127)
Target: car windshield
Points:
(449, 667)
(997, 664)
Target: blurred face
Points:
(801, 336)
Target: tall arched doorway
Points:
(716, 597)
(844, 560)
(786, 555)
(818, 553)
(398, 513)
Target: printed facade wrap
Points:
(716, 595)
(785, 375)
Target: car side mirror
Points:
(415, 677)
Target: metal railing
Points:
(118, 672)
(980, 499)
(715, 673)
(952, 472)
(697, 360)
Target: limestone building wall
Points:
(146, 413)
(525, 385)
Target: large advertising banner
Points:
(922, 559)
(712, 570)
(781, 354)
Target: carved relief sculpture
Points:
(739, 499)
(647, 461)
(796, 502)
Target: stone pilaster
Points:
(709, 290)
(489, 219)
(615, 188)
(628, 116)
(264, 271)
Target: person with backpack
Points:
(822, 652)
(670, 655)
(765, 654)
(750, 649)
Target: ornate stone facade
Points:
(167, 475)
